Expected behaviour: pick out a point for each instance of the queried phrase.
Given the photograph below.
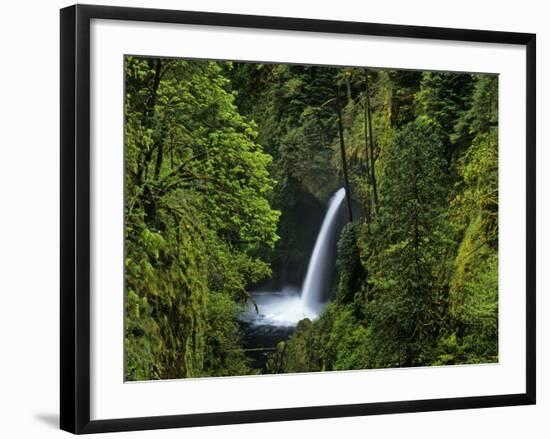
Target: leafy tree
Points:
(197, 217)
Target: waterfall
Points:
(315, 280)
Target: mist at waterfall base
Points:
(274, 314)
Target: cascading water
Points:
(285, 308)
(312, 287)
(274, 314)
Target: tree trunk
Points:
(371, 142)
(343, 153)
(367, 167)
(145, 120)
(158, 163)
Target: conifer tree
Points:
(410, 240)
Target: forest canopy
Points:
(228, 170)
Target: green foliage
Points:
(198, 215)
(223, 354)
(478, 166)
(473, 293)
(418, 274)
(337, 341)
(224, 161)
(409, 235)
(444, 97)
(294, 355)
(474, 299)
(296, 123)
(294, 109)
(349, 266)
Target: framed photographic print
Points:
(268, 218)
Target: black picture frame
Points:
(75, 218)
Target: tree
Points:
(443, 98)
(410, 241)
(197, 215)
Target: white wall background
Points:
(29, 206)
